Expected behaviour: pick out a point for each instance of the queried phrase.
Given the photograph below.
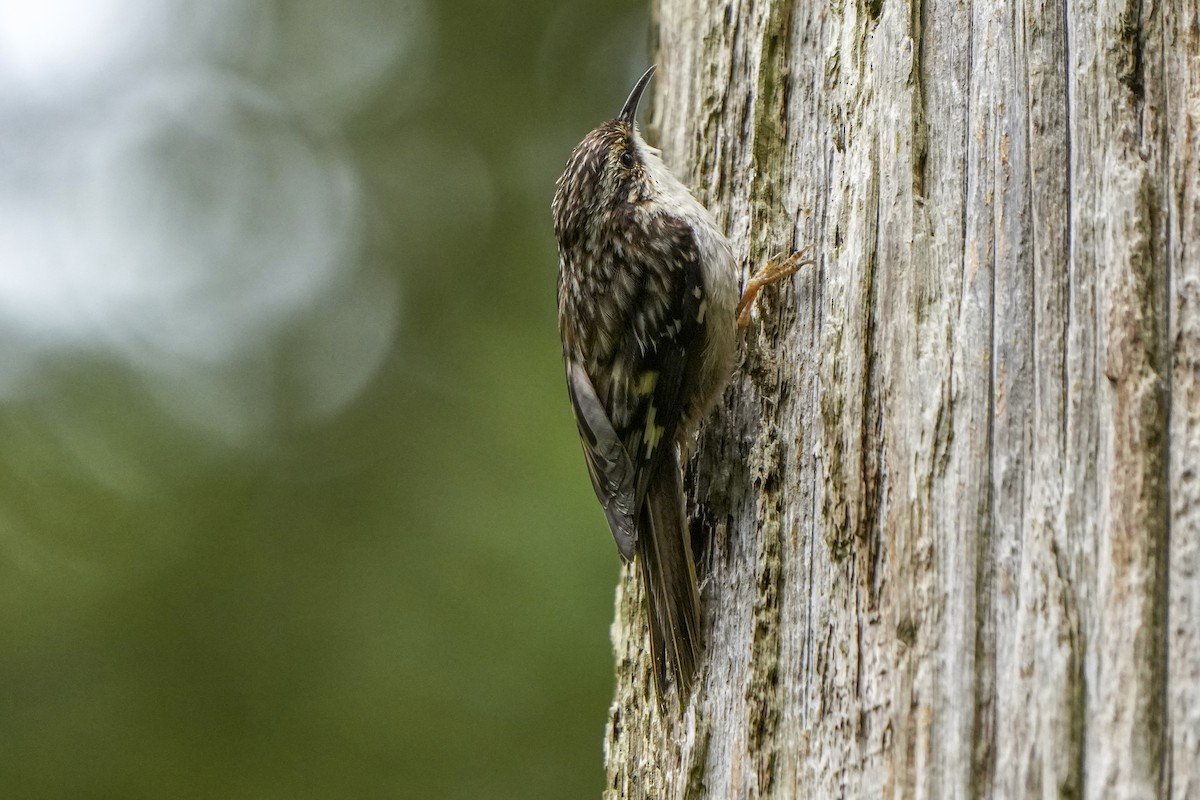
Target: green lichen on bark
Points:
(770, 229)
(763, 680)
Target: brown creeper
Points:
(648, 310)
(647, 289)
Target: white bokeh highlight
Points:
(175, 198)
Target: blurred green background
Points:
(291, 503)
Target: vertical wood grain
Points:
(951, 500)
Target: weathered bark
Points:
(952, 497)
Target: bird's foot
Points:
(776, 270)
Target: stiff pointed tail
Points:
(664, 551)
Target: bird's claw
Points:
(775, 271)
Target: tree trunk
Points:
(951, 500)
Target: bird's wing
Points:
(607, 461)
(640, 405)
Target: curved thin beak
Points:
(630, 109)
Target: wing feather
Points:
(630, 401)
(607, 460)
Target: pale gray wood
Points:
(1181, 120)
(953, 491)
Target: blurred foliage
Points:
(291, 504)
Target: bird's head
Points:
(607, 169)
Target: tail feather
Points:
(664, 551)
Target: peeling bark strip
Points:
(950, 505)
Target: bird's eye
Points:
(627, 160)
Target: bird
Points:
(648, 311)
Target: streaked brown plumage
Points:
(647, 298)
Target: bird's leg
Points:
(775, 271)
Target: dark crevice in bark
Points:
(870, 443)
(920, 125)
(1129, 45)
